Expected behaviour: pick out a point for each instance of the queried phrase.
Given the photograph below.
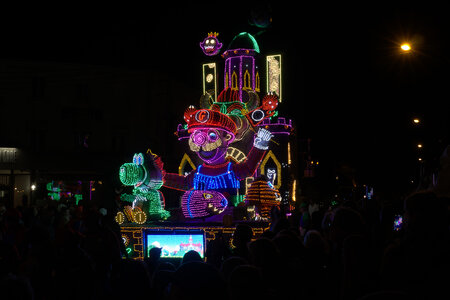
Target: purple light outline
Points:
(241, 56)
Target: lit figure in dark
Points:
(211, 45)
(210, 187)
(146, 178)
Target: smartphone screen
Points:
(398, 221)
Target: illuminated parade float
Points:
(236, 167)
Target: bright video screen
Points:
(175, 244)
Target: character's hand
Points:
(262, 139)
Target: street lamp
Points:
(406, 47)
(416, 120)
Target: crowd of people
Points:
(339, 252)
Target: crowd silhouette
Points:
(342, 251)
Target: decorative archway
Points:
(271, 155)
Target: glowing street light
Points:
(406, 47)
(419, 145)
(416, 120)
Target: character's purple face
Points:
(210, 144)
(210, 45)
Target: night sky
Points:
(345, 83)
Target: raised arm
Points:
(260, 145)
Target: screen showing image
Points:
(175, 244)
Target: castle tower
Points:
(241, 72)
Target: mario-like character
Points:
(210, 187)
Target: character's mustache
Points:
(206, 146)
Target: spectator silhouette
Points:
(314, 269)
(230, 264)
(197, 280)
(245, 282)
(418, 263)
(218, 250)
(280, 224)
(316, 248)
(9, 259)
(264, 255)
(305, 218)
(161, 279)
(74, 270)
(153, 260)
(134, 280)
(191, 256)
(316, 219)
(39, 262)
(291, 252)
(289, 245)
(13, 287)
(345, 222)
(359, 274)
(242, 235)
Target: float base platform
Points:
(133, 234)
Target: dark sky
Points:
(345, 83)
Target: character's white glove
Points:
(262, 139)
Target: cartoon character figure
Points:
(211, 45)
(145, 175)
(211, 132)
(199, 203)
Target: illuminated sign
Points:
(273, 75)
(209, 80)
(8, 155)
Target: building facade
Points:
(66, 128)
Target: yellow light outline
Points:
(270, 154)
(211, 66)
(234, 81)
(257, 83)
(184, 160)
(247, 81)
(234, 153)
(280, 96)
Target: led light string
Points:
(207, 182)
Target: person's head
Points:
(303, 206)
(281, 224)
(191, 256)
(423, 211)
(263, 251)
(197, 280)
(246, 282)
(288, 244)
(154, 253)
(242, 235)
(314, 241)
(346, 221)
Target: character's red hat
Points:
(205, 118)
